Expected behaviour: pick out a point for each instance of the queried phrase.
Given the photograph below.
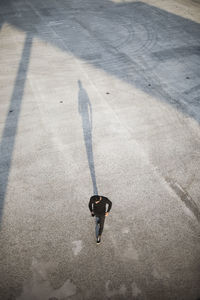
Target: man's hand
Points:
(92, 214)
(106, 214)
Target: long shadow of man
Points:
(85, 110)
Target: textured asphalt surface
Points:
(99, 97)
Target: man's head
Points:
(98, 198)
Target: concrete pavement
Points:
(100, 97)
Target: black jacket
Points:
(99, 209)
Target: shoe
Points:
(99, 239)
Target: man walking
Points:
(97, 206)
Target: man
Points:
(97, 206)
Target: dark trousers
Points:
(99, 225)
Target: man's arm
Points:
(109, 205)
(91, 202)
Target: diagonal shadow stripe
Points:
(119, 39)
(7, 143)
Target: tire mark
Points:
(185, 197)
(176, 53)
(193, 90)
